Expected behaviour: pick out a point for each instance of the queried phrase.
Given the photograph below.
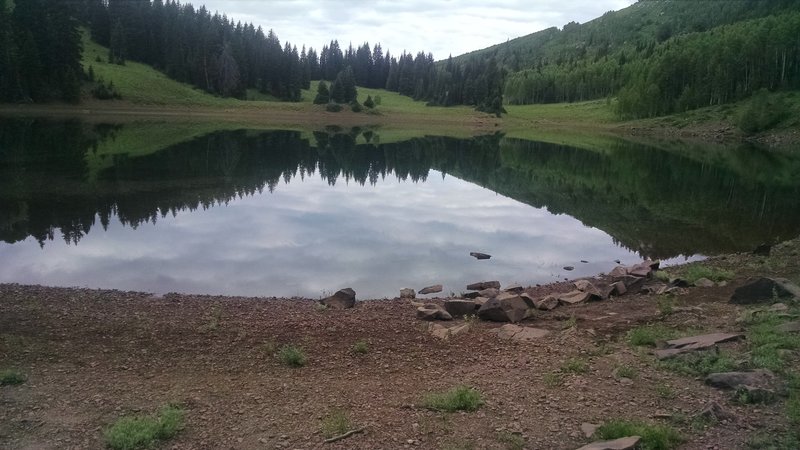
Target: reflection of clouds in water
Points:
(308, 237)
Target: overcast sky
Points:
(442, 27)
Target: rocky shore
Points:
(552, 364)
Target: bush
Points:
(11, 378)
(292, 356)
(369, 103)
(460, 398)
(333, 107)
(361, 347)
(654, 437)
(762, 112)
(355, 107)
(335, 424)
(129, 433)
(649, 335)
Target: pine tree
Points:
(369, 103)
(323, 94)
(117, 47)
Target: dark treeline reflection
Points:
(657, 202)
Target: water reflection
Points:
(291, 213)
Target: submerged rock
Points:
(478, 255)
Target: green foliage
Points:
(355, 107)
(666, 305)
(292, 356)
(553, 379)
(762, 112)
(336, 423)
(793, 403)
(661, 275)
(626, 371)
(649, 335)
(695, 272)
(361, 347)
(323, 94)
(333, 107)
(137, 432)
(459, 398)
(575, 365)
(700, 363)
(105, 91)
(654, 437)
(511, 441)
(768, 346)
(369, 103)
(665, 391)
(10, 377)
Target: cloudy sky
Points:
(442, 27)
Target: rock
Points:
(760, 378)
(587, 286)
(763, 250)
(753, 394)
(460, 308)
(407, 293)
(704, 283)
(643, 269)
(626, 443)
(504, 308)
(764, 290)
(515, 289)
(431, 289)
(569, 268)
(478, 255)
(518, 333)
(548, 303)
(694, 343)
(432, 311)
(583, 261)
(489, 293)
(483, 285)
(342, 299)
(479, 301)
(714, 411)
(618, 288)
(443, 332)
(471, 295)
(588, 429)
(574, 297)
(679, 282)
(633, 283)
(789, 327)
(653, 288)
(618, 272)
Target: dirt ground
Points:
(92, 356)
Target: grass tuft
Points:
(511, 441)
(626, 371)
(459, 398)
(336, 423)
(575, 365)
(361, 347)
(10, 377)
(129, 433)
(768, 346)
(654, 437)
(292, 356)
(700, 363)
(649, 335)
(695, 272)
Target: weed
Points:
(625, 371)
(768, 345)
(320, 307)
(361, 347)
(511, 440)
(136, 432)
(575, 365)
(471, 319)
(661, 275)
(771, 441)
(665, 391)
(666, 306)
(654, 437)
(459, 398)
(10, 377)
(572, 322)
(746, 396)
(553, 379)
(700, 363)
(292, 356)
(695, 272)
(649, 335)
(336, 423)
(270, 347)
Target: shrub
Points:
(695, 272)
(459, 398)
(700, 363)
(335, 424)
(361, 347)
(292, 356)
(654, 437)
(333, 107)
(762, 112)
(129, 433)
(356, 107)
(11, 377)
(649, 335)
(575, 365)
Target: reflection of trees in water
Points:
(658, 203)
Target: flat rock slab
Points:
(694, 343)
(626, 443)
(790, 327)
(575, 297)
(765, 290)
(483, 285)
(433, 311)
(446, 332)
(547, 303)
(431, 289)
(519, 333)
(760, 378)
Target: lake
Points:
(162, 207)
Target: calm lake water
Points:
(178, 208)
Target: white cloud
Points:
(442, 27)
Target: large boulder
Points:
(431, 289)
(765, 290)
(489, 293)
(547, 303)
(342, 299)
(761, 378)
(432, 311)
(505, 308)
(587, 286)
(407, 293)
(483, 285)
(460, 308)
(515, 289)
